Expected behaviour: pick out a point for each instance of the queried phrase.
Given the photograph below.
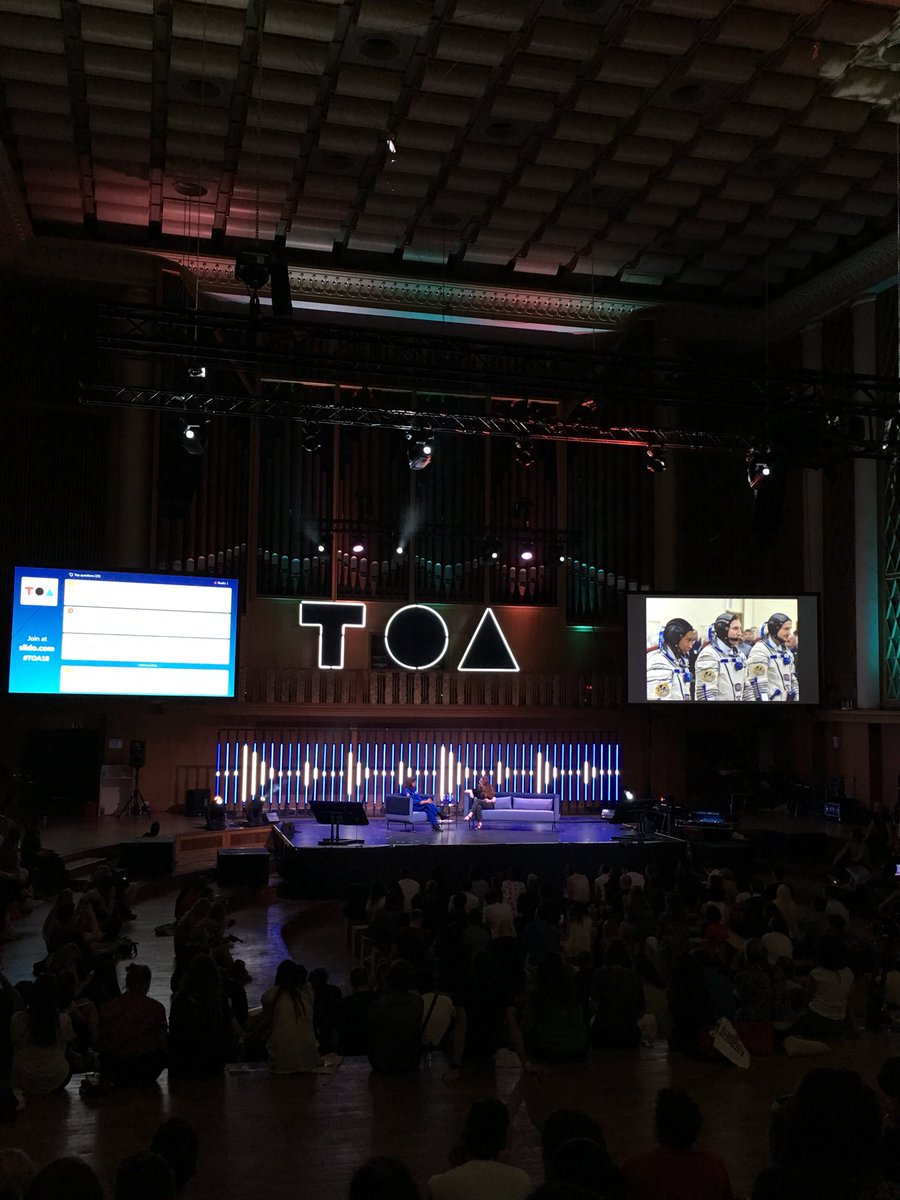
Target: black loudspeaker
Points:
(138, 754)
(242, 868)
(195, 802)
(280, 285)
(147, 858)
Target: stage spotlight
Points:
(216, 816)
(656, 461)
(524, 455)
(419, 455)
(194, 437)
(320, 546)
(311, 441)
(358, 548)
(558, 551)
(252, 269)
(758, 469)
(196, 372)
(399, 551)
(527, 552)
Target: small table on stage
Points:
(449, 808)
(336, 813)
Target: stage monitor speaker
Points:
(242, 868)
(137, 754)
(280, 286)
(195, 802)
(147, 858)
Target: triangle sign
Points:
(488, 649)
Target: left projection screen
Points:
(113, 633)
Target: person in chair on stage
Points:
(482, 796)
(424, 804)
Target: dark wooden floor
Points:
(306, 1135)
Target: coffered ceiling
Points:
(708, 151)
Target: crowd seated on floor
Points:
(826, 1143)
(453, 973)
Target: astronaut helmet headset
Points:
(672, 633)
(721, 624)
(775, 623)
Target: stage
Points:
(311, 870)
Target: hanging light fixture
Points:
(758, 468)
(656, 460)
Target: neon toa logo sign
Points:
(416, 637)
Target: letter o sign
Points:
(416, 637)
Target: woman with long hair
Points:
(201, 1029)
(40, 1037)
(288, 1010)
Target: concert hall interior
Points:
(404, 388)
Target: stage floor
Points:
(587, 836)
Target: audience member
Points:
(66, 1179)
(201, 1034)
(176, 1141)
(617, 1001)
(475, 1173)
(675, 1170)
(553, 1023)
(132, 1033)
(825, 1142)
(289, 1011)
(396, 1023)
(828, 992)
(354, 1015)
(326, 1009)
(145, 1176)
(41, 1036)
(17, 1173)
(382, 1179)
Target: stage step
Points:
(83, 868)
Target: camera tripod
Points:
(135, 805)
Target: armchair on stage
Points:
(536, 808)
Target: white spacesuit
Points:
(720, 670)
(668, 667)
(771, 670)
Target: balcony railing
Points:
(437, 689)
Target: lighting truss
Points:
(548, 429)
(478, 387)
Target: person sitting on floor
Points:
(132, 1037)
(353, 1017)
(145, 1176)
(288, 1007)
(41, 1036)
(828, 993)
(474, 1169)
(572, 1141)
(420, 803)
(177, 1142)
(395, 1023)
(674, 1170)
(201, 1029)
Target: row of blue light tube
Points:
(291, 774)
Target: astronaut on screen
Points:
(669, 665)
(720, 669)
(771, 668)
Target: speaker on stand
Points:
(136, 805)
